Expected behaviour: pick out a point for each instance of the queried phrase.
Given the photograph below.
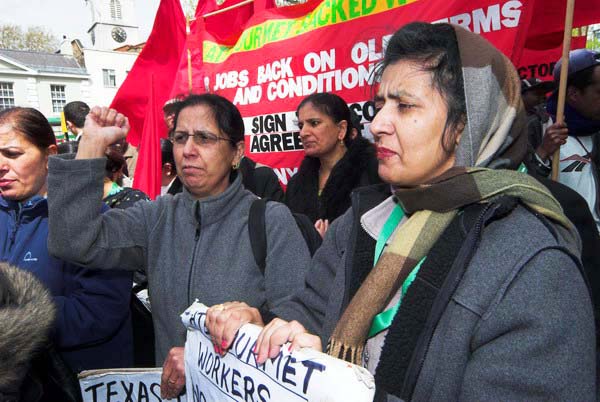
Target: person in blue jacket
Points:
(93, 327)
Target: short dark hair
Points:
(75, 112)
(68, 147)
(114, 162)
(31, 123)
(166, 152)
(226, 115)
(171, 105)
(582, 79)
(435, 48)
(333, 106)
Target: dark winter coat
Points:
(93, 328)
(125, 198)
(260, 180)
(357, 168)
(516, 326)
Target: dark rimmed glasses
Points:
(201, 138)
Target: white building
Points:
(107, 69)
(112, 30)
(47, 81)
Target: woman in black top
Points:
(335, 163)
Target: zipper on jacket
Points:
(15, 229)
(412, 375)
(196, 238)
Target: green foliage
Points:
(593, 37)
(593, 43)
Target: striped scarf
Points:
(431, 208)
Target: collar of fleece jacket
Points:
(212, 209)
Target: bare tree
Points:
(189, 7)
(11, 36)
(35, 38)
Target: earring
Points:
(236, 165)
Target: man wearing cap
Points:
(578, 139)
(533, 93)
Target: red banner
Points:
(548, 22)
(159, 57)
(540, 63)
(148, 170)
(288, 53)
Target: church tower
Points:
(113, 23)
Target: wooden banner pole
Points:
(189, 56)
(562, 87)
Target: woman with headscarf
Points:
(463, 282)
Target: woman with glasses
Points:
(194, 245)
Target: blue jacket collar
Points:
(27, 205)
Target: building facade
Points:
(115, 46)
(47, 81)
(113, 23)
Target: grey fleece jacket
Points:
(519, 326)
(189, 249)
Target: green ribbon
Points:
(383, 320)
(388, 229)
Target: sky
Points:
(68, 17)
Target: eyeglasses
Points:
(201, 138)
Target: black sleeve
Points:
(534, 164)
(267, 184)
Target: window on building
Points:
(115, 9)
(59, 99)
(7, 96)
(110, 79)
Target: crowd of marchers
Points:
(441, 256)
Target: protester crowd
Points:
(451, 267)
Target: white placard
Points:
(122, 385)
(304, 375)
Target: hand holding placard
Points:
(303, 375)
